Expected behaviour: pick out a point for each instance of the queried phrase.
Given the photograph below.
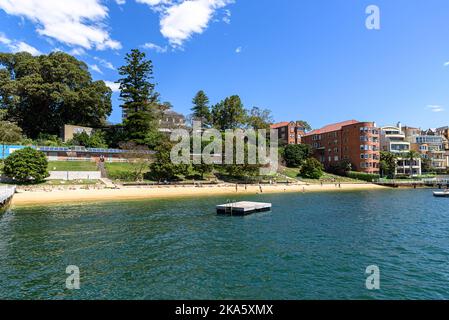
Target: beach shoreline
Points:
(41, 197)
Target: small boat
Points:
(441, 194)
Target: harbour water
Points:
(311, 246)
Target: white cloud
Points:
(435, 108)
(238, 50)
(77, 52)
(4, 39)
(227, 17)
(180, 19)
(446, 64)
(21, 46)
(120, 2)
(105, 63)
(18, 46)
(95, 68)
(76, 23)
(155, 47)
(115, 87)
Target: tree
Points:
(163, 168)
(295, 154)
(388, 164)
(411, 156)
(340, 168)
(48, 140)
(138, 157)
(229, 113)
(304, 124)
(140, 100)
(200, 109)
(26, 165)
(426, 165)
(259, 118)
(203, 167)
(95, 140)
(9, 133)
(43, 93)
(312, 169)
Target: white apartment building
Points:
(392, 139)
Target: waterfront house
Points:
(392, 139)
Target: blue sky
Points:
(303, 59)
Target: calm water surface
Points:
(312, 246)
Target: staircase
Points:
(104, 176)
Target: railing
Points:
(433, 181)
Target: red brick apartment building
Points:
(289, 132)
(353, 141)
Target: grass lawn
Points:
(57, 183)
(326, 178)
(121, 170)
(72, 166)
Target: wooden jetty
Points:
(242, 208)
(6, 194)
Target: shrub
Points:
(312, 169)
(340, 168)
(363, 176)
(26, 165)
(296, 154)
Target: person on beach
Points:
(260, 188)
(236, 187)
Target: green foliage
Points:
(259, 118)
(43, 93)
(363, 176)
(426, 165)
(95, 140)
(9, 132)
(48, 140)
(304, 124)
(140, 100)
(340, 168)
(312, 169)
(26, 165)
(295, 154)
(163, 168)
(229, 114)
(138, 159)
(388, 164)
(201, 110)
(114, 136)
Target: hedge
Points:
(363, 176)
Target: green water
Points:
(312, 246)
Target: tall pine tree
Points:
(140, 100)
(201, 111)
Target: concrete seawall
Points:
(74, 175)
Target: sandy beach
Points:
(40, 197)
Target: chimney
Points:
(400, 126)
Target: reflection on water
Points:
(312, 246)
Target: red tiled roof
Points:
(279, 125)
(332, 127)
